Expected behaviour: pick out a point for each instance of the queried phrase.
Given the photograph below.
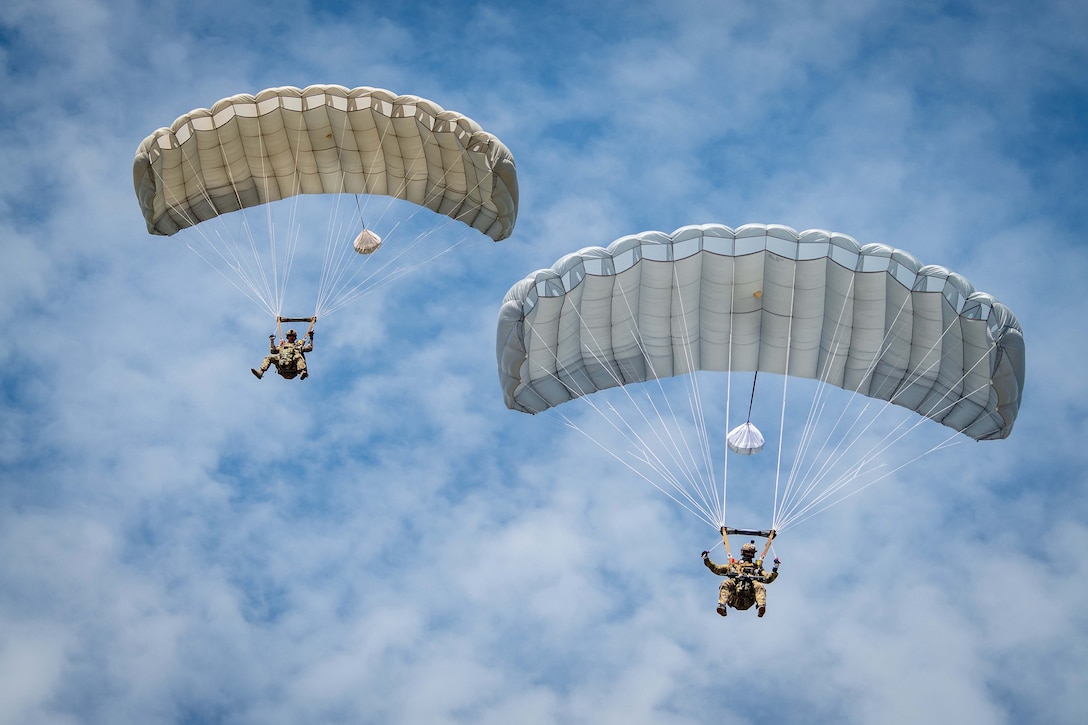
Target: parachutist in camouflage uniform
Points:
(744, 580)
(289, 358)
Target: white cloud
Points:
(386, 542)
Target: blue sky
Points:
(386, 542)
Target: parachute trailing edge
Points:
(816, 304)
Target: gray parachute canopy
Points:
(325, 139)
(816, 304)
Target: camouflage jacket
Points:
(752, 570)
(289, 352)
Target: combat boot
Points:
(256, 373)
(762, 610)
(721, 610)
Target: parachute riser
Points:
(768, 533)
(280, 320)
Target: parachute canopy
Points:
(870, 319)
(324, 139)
(417, 172)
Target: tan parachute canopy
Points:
(324, 139)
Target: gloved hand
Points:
(271, 337)
(776, 563)
(705, 554)
(310, 333)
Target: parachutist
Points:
(744, 581)
(289, 358)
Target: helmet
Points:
(748, 549)
(292, 333)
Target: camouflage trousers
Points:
(288, 371)
(742, 595)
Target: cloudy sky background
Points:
(386, 542)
